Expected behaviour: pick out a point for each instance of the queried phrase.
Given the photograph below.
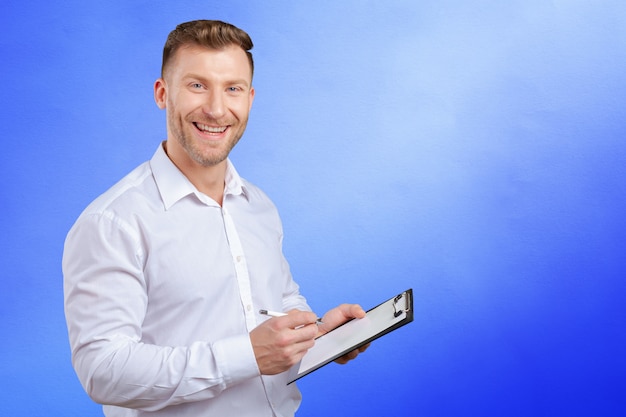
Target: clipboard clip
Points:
(396, 311)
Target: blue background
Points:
(471, 150)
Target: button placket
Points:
(241, 269)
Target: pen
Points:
(279, 314)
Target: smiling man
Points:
(166, 272)
(208, 99)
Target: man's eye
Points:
(196, 85)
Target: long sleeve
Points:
(106, 299)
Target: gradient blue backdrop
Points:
(472, 150)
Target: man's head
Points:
(206, 90)
(211, 34)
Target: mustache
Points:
(203, 119)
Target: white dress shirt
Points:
(162, 287)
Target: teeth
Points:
(211, 129)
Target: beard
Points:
(207, 156)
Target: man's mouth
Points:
(210, 129)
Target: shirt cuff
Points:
(235, 357)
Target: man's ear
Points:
(160, 93)
(251, 97)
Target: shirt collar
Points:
(173, 185)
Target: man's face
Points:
(207, 95)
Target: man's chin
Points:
(208, 159)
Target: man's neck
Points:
(208, 180)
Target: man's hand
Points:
(281, 342)
(336, 317)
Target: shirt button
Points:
(248, 307)
(239, 258)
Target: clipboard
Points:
(380, 320)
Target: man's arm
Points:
(105, 305)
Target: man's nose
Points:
(214, 105)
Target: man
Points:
(165, 273)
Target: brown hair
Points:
(212, 34)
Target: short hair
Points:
(212, 34)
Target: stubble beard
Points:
(205, 158)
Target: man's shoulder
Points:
(129, 192)
(255, 194)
